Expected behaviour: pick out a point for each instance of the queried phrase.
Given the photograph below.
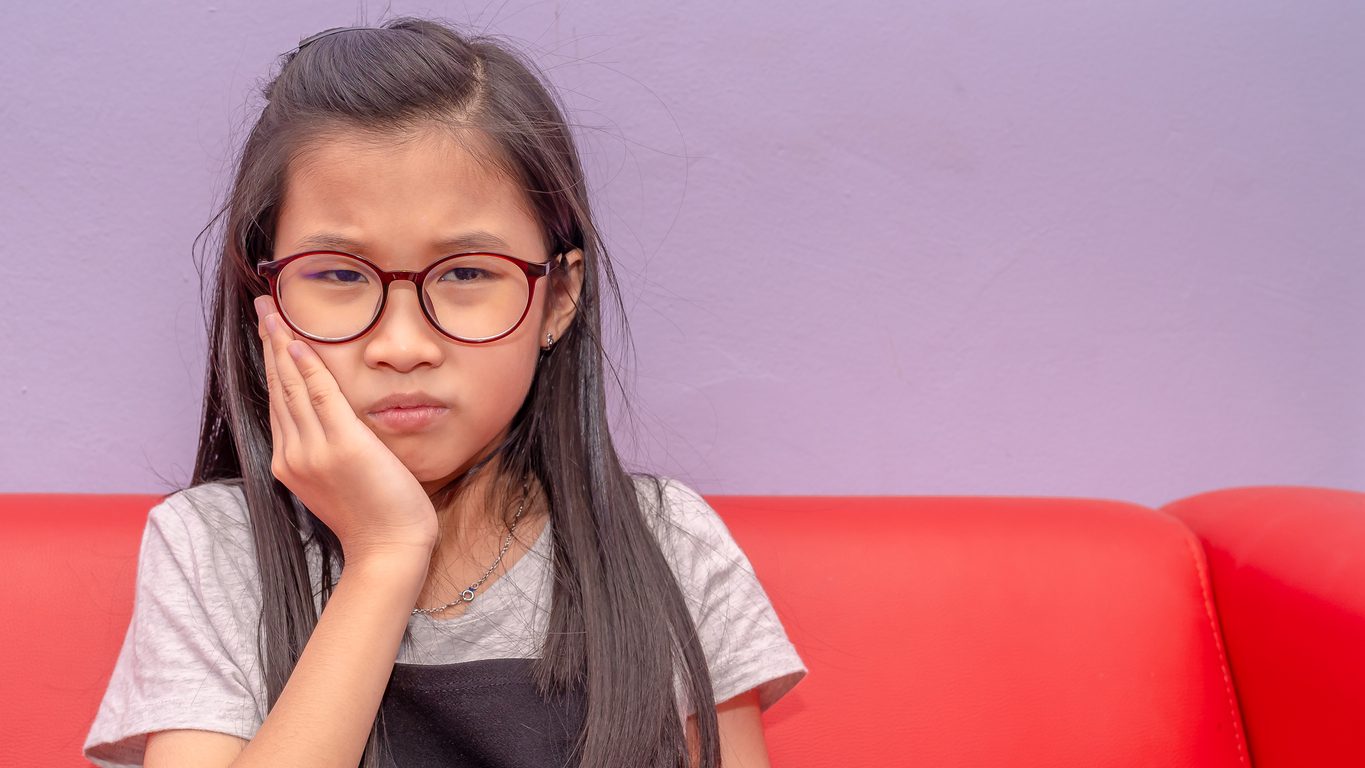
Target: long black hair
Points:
(619, 626)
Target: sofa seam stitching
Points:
(1204, 588)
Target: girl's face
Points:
(395, 201)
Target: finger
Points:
(281, 423)
(333, 411)
(296, 397)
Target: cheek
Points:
(497, 380)
(504, 376)
(340, 366)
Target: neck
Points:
(484, 507)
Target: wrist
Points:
(390, 559)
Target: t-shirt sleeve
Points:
(187, 659)
(745, 643)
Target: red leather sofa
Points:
(1224, 629)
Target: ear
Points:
(566, 283)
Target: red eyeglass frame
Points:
(533, 271)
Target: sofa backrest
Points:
(68, 563)
(991, 631)
(946, 631)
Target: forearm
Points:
(325, 712)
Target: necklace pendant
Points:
(467, 596)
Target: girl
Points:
(408, 539)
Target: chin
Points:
(419, 458)
(426, 471)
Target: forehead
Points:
(402, 193)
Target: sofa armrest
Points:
(1287, 565)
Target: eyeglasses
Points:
(333, 297)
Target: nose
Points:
(402, 338)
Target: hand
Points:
(331, 460)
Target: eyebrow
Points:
(468, 241)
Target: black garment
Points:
(477, 714)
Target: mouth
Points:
(407, 411)
(408, 418)
(406, 400)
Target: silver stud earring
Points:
(549, 341)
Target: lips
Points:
(407, 400)
(407, 412)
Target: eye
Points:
(346, 276)
(465, 275)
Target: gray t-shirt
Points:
(190, 657)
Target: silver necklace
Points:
(467, 596)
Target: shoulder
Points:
(690, 532)
(189, 657)
(207, 504)
(745, 643)
(674, 509)
(197, 574)
(669, 501)
(204, 530)
(210, 512)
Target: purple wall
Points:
(1057, 249)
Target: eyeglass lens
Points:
(333, 296)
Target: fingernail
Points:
(270, 322)
(258, 303)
